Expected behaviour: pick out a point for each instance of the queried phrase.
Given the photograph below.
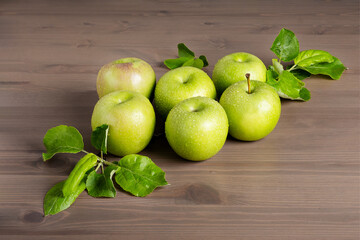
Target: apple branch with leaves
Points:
(134, 173)
(288, 82)
(186, 58)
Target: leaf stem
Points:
(293, 67)
(248, 82)
(102, 160)
(98, 166)
(110, 163)
(84, 151)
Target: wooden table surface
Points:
(300, 182)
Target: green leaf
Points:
(139, 175)
(310, 57)
(300, 74)
(297, 72)
(277, 66)
(99, 138)
(186, 58)
(333, 69)
(189, 62)
(62, 139)
(203, 58)
(175, 63)
(183, 51)
(286, 45)
(273, 72)
(196, 62)
(101, 185)
(79, 172)
(304, 94)
(287, 85)
(55, 201)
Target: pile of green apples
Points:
(185, 98)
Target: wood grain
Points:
(300, 182)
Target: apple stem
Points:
(248, 82)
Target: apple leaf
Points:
(286, 45)
(310, 57)
(184, 51)
(62, 139)
(79, 172)
(175, 63)
(297, 72)
(139, 175)
(203, 58)
(333, 69)
(300, 74)
(189, 62)
(196, 62)
(101, 185)
(55, 201)
(99, 138)
(287, 85)
(277, 66)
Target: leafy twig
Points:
(134, 173)
(288, 82)
(186, 58)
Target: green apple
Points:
(196, 128)
(252, 114)
(131, 74)
(233, 67)
(180, 84)
(131, 120)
